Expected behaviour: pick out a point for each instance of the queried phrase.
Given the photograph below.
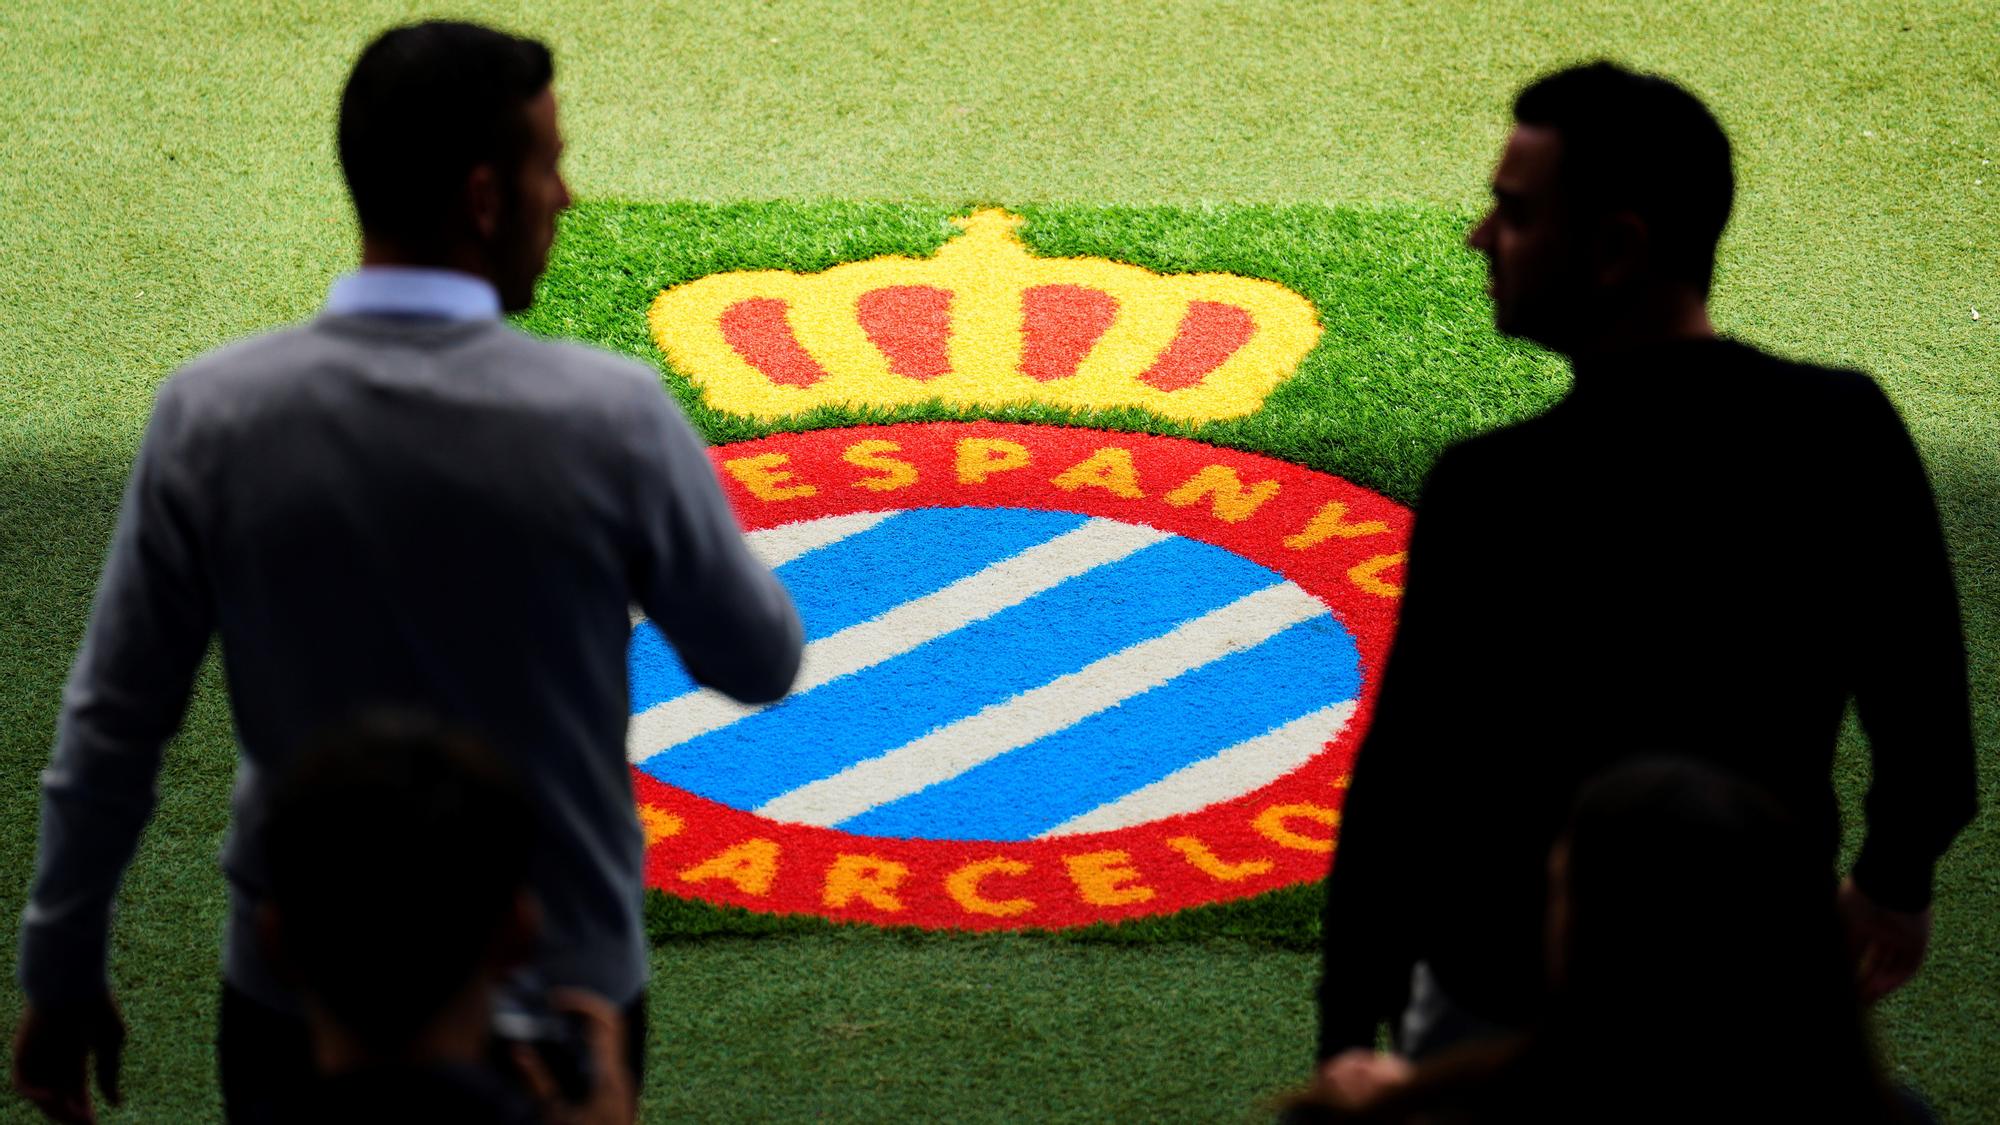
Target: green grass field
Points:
(169, 184)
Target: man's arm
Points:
(1365, 955)
(124, 699)
(727, 616)
(1911, 690)
(1365, 941)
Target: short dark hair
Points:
(1640, 142)
(396, 848)
(424, 105)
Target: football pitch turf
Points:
(169, 184)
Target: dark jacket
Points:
(1702, 549)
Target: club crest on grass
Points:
(1054, 676)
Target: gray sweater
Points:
(371, 510)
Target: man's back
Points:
(446, 514)
(1666, 559)
(410, 508)
(1701, 550)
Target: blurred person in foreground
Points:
(1698, 971)
(395, 939)
(1701, 545)
(403, 501)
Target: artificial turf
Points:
(169, 184)
(1407, 362)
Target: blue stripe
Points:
(653, 669)
(824, 731)
(906, 556)
(1028, 791)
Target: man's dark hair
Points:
(426, 104)
(1639, 142)
(396, 848)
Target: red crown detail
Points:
(985, 323)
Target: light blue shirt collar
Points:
(415, 292)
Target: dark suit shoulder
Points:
(1491, 458)
(1758, 374)
(1834, 416)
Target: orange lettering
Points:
(1106, 878)
(658, 823)
(869, 455)
(1330, 522)
(979, 458)
(1231, 503)
(865, 877)
(750, 866)
(1208, 863)
(1366, 576)
(963, 887)
(1109, 468)
(764, 475)
(1274, 824)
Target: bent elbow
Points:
(768, 679)
(773, 680)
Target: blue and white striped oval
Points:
(1007, 674)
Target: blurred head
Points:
(1674, 876)
(1683, 899)
(449, 143)
(1698, 972)
(1612, 191)
(399, 856)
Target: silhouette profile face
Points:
(1537, 278)
(517, 219)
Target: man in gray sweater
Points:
(402, 502)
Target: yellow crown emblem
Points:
(985, 323)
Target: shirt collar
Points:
(413, 292)
(1647, 371)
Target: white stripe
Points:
(951, 750)
(1243, 768)
(776, 546)
(972, 598)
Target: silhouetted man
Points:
(402, 501)
(1701, 549)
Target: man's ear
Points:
(1623, 250)
(482, 200)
